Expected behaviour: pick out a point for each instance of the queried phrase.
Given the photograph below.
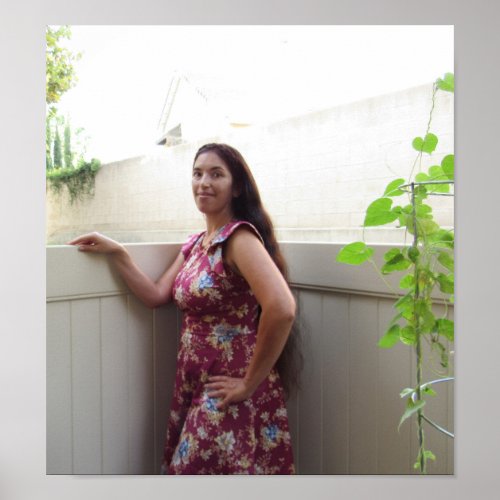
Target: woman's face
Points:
(212, 184)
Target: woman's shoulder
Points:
(231, 227)
(189, 244)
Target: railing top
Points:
(73, 274)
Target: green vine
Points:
(428, 263)
(79, 181)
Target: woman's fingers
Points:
(228, 389)
(226, 402)
(95, 242)
(83, 239)
(219, 378)
(216, 394)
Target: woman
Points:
(228, 413)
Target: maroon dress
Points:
(218, 338)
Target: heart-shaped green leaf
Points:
(422, 177)
(393, 252)
(355, 253)
(423, 211)
(442, 239)
(427, 144)
(406, 392)
(446, 282)
(408, 335)
(447, 260)
(425, 227)
(379, 213)
(407, 282)
(436, 172)
(397, 263)
(445, 327)
(413, 253)
(446, 83)
(411, 409)
(428, 390)
(448, 165)
(392, 188)
(390, 338)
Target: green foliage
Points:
(427, 264)
(380, 213)
(60, 73)
(64, 165)
(426, 145)
(48, 143)
(68, 157)
(447, 83)
(79, 181)
(57, 155)
(355, 253)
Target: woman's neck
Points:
(216, 222)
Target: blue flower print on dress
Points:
(215, 257)
(211, 404)
(225, 334)
(271, 432)
(183, 448)
(206, 281)
(182, 452)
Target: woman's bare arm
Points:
(151, 293)
(248, 255)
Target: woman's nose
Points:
(205, 180)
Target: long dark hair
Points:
(248, 206)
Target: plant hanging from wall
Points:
(428, 263)
(64, 157)
(65, 163)
(79, 181)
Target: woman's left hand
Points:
(228, 389)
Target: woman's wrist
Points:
(120, 254)
(250, 384)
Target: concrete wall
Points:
(317, 174)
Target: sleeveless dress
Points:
(220, 318)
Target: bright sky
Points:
(125, 71)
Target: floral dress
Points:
(218, 337)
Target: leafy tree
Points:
(57, 150)
(48, 143)
(68, 163)
(60, 73)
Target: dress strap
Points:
(230, 228)
(190, 243)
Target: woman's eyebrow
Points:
(214, 167)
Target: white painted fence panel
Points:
(111, 366)
(115, 420)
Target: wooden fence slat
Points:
(335, 349)
(140, 383)
(165, 356)
(114, 384)
(363, 371)
(86, 362)
(310, 414)
(59, 412)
